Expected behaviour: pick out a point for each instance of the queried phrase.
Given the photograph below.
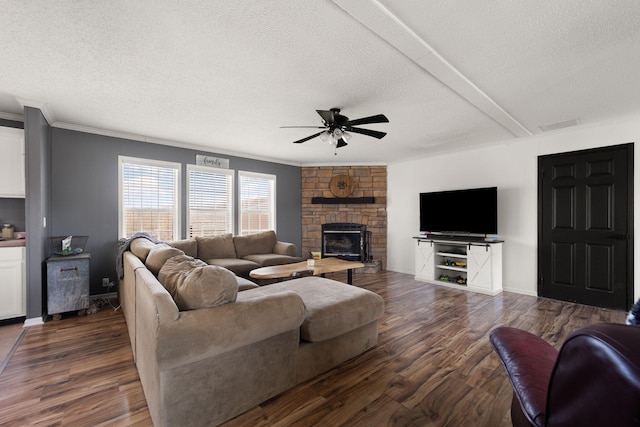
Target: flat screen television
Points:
(470, 211)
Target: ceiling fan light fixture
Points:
(325, 136)
(346, 136)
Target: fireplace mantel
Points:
(341, 200)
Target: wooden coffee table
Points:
(320, 267)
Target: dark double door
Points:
(585, 227)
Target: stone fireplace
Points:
(366, 205)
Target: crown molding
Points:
(11, 116)
(46, 112)
(160, 141)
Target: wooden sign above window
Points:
(214, 162)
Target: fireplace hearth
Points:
(346, 241)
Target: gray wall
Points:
(84, 191)
(37, 136)
(12, 212)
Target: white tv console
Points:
(475, 265)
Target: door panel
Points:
(563, 264)
(585, 226)
(599, 268)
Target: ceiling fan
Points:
(336, 127)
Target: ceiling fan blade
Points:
(300, 141)
(327, 116)
(378, 118)
(341, 143)
(303, 127)
(368, 132)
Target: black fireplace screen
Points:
(345, 240)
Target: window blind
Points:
(257, 202)
(210, 201)
(149, 194)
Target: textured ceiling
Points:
(225, 75)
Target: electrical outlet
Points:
(105, 282)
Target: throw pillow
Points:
(198, 287)
(158, 255)
(140, 247)
(216, 247)
(188, 246)
(174, 269)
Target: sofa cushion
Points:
(267, 260)
(188, 246)
(244, 284)
(259, 243)
(196, 285)
(335, 308)
(140, 247)
(158, 255)
(332, 308)
(216, 247)
(241, 267)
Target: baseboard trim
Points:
(520, 291)
(103, 296)
(33, 322)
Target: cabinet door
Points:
(12, 178)
(479, 272)
(11, 283)
(424, 260)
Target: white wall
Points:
(511, 167)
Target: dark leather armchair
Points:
(594, 380)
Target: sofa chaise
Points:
(207, 351)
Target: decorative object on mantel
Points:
(342, 185)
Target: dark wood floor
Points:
(433, 365)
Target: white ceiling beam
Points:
(381, 21)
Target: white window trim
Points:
(274, 196)
(228, 172)
(177, 229)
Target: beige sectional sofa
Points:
(206, 351)
(240, 254)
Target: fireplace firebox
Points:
(346, 241)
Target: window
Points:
(210, 195)
(257, 202)
(149, 198)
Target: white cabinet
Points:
(472, 265)
(12, 283)
(12, 175)
(424, 260)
